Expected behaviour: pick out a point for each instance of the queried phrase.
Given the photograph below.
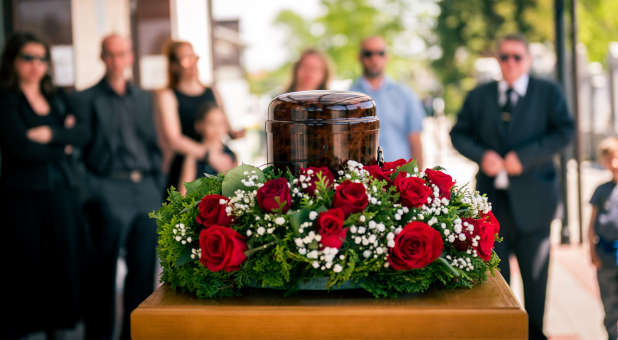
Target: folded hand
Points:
(40, 134)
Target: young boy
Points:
(603, 235)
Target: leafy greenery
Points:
(467, 30)
(338, 32)
(275, 259)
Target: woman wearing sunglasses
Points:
(178, 105)
(37, 205)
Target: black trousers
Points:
(119, 223)
(532, 252)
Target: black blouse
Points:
(27, 164)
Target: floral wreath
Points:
(388, 229)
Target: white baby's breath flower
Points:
(337, 268)
(313, 215)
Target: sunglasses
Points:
(368, 53)
(29, 58)
(505, 57)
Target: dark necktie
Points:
(507, 109)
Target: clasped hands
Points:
(492, 163)
(43, 134)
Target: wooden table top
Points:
(488, 311)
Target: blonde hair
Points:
(608, 147)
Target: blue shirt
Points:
(400, 113)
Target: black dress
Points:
(40, 218)
(188, 109)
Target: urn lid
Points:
(321, 105)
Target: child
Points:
(211, 125)
(603, 235)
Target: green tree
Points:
(467, 30)
(338, 32)
(598, 26)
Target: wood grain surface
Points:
(488, 311)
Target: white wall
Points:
(190, 22)
(92, 20)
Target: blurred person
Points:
(123, 163)
(310, 72)
(603, 235)
(211, 124)
(513, 129)
(177, 107)
(39, 211)
(398, 108)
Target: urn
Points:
(321, 128)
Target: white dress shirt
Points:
(519, 91)
(520, 86)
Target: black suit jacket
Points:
(93, 104)
(540, 127)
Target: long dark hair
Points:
(327, 71)
(8, 76)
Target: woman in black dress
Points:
(178, 105)
(37, 206)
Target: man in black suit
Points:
(513, 128)
(123, 163)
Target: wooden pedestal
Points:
(489, 311)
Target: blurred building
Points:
(74, 29)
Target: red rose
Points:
(386, 170)
(312, 178)
(416, 246)
(222, 248)
(443, 181)
(485, 228)
(212, 211)
(486, 243)
(274, 195)
(491, 219)
(489, 227)
(351, 197)
(330, 227)
(412, 190)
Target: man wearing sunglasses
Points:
(398, 108)
(513, 129)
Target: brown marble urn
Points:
(321, 128)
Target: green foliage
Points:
(233, 179)
(467, 30)
(598, 26)
(338, 32)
